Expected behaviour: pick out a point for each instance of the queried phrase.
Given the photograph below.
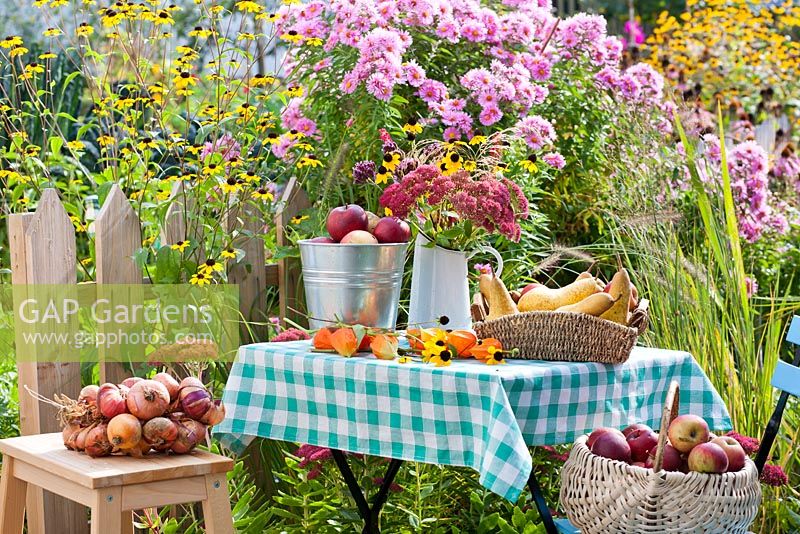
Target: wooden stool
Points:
(112, 486)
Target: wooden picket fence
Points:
(43, 251)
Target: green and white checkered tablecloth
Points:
(467, 414)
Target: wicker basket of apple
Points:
(138, 416)
(587, 320)
(682, 479)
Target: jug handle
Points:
(493, 252)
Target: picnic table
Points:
(467, 414)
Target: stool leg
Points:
(217, 506)
(127, 522)
(12, 499)
(107, 511)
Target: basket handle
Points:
(671, 402)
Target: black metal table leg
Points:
(370, 514)
(541, 504)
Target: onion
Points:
(139, 450)
(192, 381)
(172, 385)
(196, 401)
(97, 443)
(88, 395)
(148, 399)
(190, 434)
(160, 433)
(72, 439)
(111, 401)
(67, 434)
(80, 439)
(129, 382)
(124, 431)
(215, 414)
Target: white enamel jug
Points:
(439, 286)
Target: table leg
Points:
(370, 514)
(541, 504)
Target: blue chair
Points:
(786, 377)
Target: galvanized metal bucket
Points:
(352, 283)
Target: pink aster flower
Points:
(490, 115)
(225, 145)
(414, 74)
(555, 160)
(536, 131)
(290, 334)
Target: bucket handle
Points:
(491, 250)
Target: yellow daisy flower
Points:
(263, 194)
(294, 91)
(470, 165)
(210, 266)
(529, 163)
(391, 161)
(477, 139)
(292, 37)
(231, 185)
(382, 175)
(495, 356)
(309, 160)
(229, 253)
(49, 32)
(412, 127)
(200, 279)
(84, 30)
(11, 41)
(298, 219)
(180, 246)
(75, 145)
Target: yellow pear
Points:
(543, 298)
(620, 291)
(594, 305)
(497, 296)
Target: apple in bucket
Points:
(346, 219)
(359, 237)
(641, 441)
(392, 230)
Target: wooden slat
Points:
(251, 272)
(45, 251)
(12, 508)
(48, 452)
(293, 201)
(117, 238)
(164, 493)
(271, 274)
(59, 485)
(217, 506)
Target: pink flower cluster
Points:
(377, 38)
(495, 204)
(757, 208)
(225, 145)
(748, 166)
(290, 334)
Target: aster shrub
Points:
(455, 69)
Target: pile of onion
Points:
(140, 415)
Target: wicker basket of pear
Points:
(586, 321)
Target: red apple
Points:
(359, 237)
(641, 442)
(529, 287)
(392, 230)
(634, 296)
(708, 458)
(673, 461)
(345, 219)
(596, 433)
(686, 431)
(612, 445)
(734, 451)
(637, 426)
(322, 239)
(638, 464)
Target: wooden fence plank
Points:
(49, 252)
(118, 235)
(293, 201)
(251, 272)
